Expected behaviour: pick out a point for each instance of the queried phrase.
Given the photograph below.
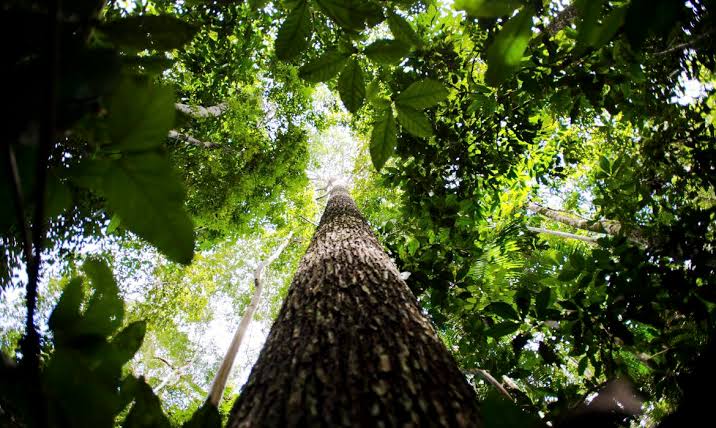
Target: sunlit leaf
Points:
(295, 32)
(351, 86)
(422, 94)
(505, 53)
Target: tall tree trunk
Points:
(176, 135)
(351, 346)
(222, 375)
(200, 112)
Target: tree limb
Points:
(176, 135)
(219, 384)
(200, 112)
(491, 380)
(590, 239)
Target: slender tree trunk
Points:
(351, 346)
(219, 384)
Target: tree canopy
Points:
(543, 172)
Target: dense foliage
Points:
(544, 170)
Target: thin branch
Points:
(176, 135)
(488, 377)
(685, 44)
(590, 239)
(19, 204)
(307, 220)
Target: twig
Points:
(488, 377)
(685, 44)
(590, 239)
(307, 220)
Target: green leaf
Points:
(505, 54)
(351, 14)
(568, 273)
(67, 311)
(373, 92)
(127, 342)
(295, 32)
(542, 300)
(422, 94)
(113, 224)
(499, 412)
(577, 261)
(58, 197)
(351, 86)
(505, 310)
(143, 190)
(140, 115)
(147, 409)
(402, 30)
(140, 32)
(488, 8)
(582, 366)
(387, 51)
(206, 416)
(383, 138)
(105, 309)
(502, 329)
(415, 121)
(324, 68)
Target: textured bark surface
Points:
(350, 346)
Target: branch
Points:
(307, 220)
(685, 44)
(590, 239)
(176, 135)
(200, 112)
(219, 384)
(488, 377)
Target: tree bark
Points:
(558, 233)
(222, 375)
(200, 112)
(351, 346)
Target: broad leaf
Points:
(127, 342)
(351, 14)
(499, 412)
(386, 51)
(502, 329)
(67, 311)
(505, 54)
(383, 138)
(140, 115)
(402, 30)
(295, 32)
(324, 68)
(422, 94)
(505, 310)
(105, 309)
(414, 121)
(351, 86)
(488, 8)
(147, 409)
(143, 190)
(139, 32)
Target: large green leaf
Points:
(351, 86)
(386, 51)
(414, 121)
(422, 94)
(127, 342)
(383, 138)
(105, 309)
(502, 329)
(143, 190)
(139, 32)
(505, 54)
(499, 412)
(351, 14)
(147, 409)
(325, 67)
(67, 311)
(505, 310)
(140, 115)
(402, 30)
(295, 32)
(488, 8)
